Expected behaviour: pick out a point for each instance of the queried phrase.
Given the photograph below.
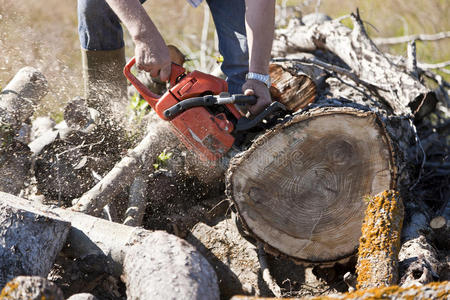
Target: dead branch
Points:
(440, 65)
(410, 38)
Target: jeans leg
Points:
(229, 18)
(98, 26)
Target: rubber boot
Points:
(105, 85)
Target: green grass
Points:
(45, 36)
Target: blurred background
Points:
(43, 34)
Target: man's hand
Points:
(153, 58)
(260, 90)
(151, 51)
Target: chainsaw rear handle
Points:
(208, 100)
(176, 72)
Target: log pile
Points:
(353, 179)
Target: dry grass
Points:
(43, 34)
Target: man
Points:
(245, 29)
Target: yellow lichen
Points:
(9, 287)
(380, 240)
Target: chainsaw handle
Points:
(176, 73)
(148, 95)
(244, 99)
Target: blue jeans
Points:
(99, 29)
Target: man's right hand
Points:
(151, 51)
(154, 59)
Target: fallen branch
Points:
(380, 241)
(410, 38)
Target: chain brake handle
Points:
(176, 73)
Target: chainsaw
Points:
(203, 114)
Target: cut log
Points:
(31, 288)
(294, 90)
(380, 241)
(300, 187)
(29, 240)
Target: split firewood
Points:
(31, 288)
(294, 90)
(123, 246)
(439, 290)
(380, 241)
(29, 240)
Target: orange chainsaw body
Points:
(207, 134)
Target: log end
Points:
(300, 187)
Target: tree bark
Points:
(29, 240)
(380, 241)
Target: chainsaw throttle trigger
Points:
(245, 123)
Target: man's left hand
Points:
(260, 90)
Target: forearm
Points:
(136, 20)
(259, 21)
